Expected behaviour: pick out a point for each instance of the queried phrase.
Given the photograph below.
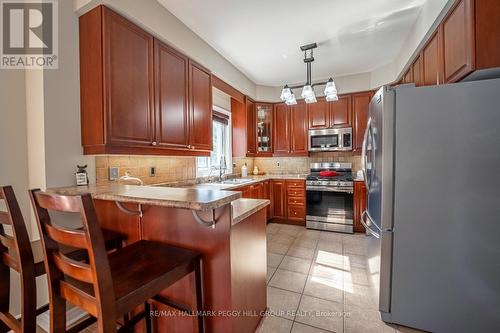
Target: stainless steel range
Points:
(330, 197)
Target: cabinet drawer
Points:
(296, 192)
(296, 212)
(297, 201)
(295, 184)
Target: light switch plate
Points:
(152, 171)
(114, 173)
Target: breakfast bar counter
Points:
(229, 232)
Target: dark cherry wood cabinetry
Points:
(296, 201)
(360, 104)
(359, 204)
(341, 111)
(278, 199)
(319, 114)
(465, 41)
(138, 95)
(323, 114)
(290, 129)
(251, 127)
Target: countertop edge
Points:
(243, 208)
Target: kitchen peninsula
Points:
(229, 231)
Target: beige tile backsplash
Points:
(176, 168)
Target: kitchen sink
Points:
(232, 181)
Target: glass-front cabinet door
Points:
(264, 114)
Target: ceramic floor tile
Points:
(358, 320)
(357, 276)
(301, 252)
(360, 296)
(329, 259)
(270, 272)
(321, 314)
(282, 303)
(273, 324)
(324, 288)
(288, 280)
(274, 259)
(330, 246)
(277, 248)
(310, 234)
(295, 264)
(305, 242)
(354, 261)
(327, 272)
(404, 329)
(273, 228)
(301, 328)
(283, 239)
(331, 236)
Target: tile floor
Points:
(318, 282)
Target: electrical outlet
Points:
(114, 173)
(234, 165)
(152, 171)
(278, 164)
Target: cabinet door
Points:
(408, 77)
(128, 90)
(278, 197)
(201, 108)
(281, 129)
(416, 72)
(264, 121)
(340, 111)
(432, 61)
(318, 114)
(458, 41)
(360, 103)
(298, 129)
(359, 204)
(267, 195)
(251, 128)
(172, 113)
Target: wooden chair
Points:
(108, 287)
(25, 257)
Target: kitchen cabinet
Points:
(264, 121)
(416, 72)
(281, 130)
(290, 130)
(341, 112)
(360, 104)
(266, 191)
(359, 204)
(138, 95)
(251, 127)
(296, 205)
(432, 61)
(408, 77)
(171, 92)
(318, 114)
(200, 94)
(278, 199)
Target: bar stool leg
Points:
(57, 315)
(147, 309)
(199, 296)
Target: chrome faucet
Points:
(128, 177)
(222, 167)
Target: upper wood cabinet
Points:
(408, 77)
(138, 95)
(458, 39)
(264, 129)
(360, 104)
(172, 98)
(200, 97)
(298, 129)
(319, 114)
(251, 127)
(432, 61)
(281, 129)
(416, 72)
(341, 111)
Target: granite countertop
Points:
(243, 208)
(187, 198)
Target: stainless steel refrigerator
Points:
(432, 167)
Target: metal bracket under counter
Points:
(210, 223)
(129, 211)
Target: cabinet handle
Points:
(154, 143)
(295, 201)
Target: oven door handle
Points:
(368, 224)
(328, 189)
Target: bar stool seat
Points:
(139, 272)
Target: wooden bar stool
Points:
(25, 257)
(108, 287)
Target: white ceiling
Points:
(262, 37)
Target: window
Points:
(221, 136)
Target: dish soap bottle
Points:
(255, 170)
(244, 171)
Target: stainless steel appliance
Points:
(431, 164)
(330, 199)
(331, 139)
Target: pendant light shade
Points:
(331, 91)
(308, 94)
(286, 93)
(291, 100)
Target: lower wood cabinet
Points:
(296, 201)
(359, 204)
(278, 199)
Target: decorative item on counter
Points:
(82, 178)
(255, 170)
(359, 174)
(262, 173)
(244, 171)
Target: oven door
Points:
(329, 205)
(324, 140)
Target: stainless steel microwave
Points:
(332, 139)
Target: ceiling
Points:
(262, 37)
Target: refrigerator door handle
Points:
(368, 224)
(363, 154)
